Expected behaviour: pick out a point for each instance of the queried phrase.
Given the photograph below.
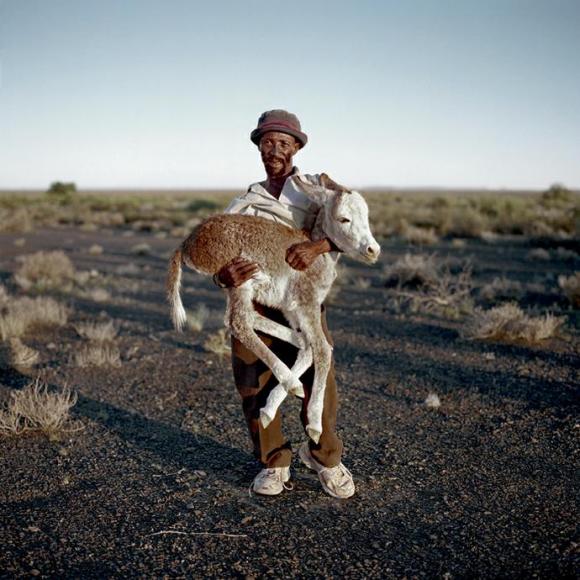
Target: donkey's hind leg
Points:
(241, 319)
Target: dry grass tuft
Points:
(570, 285)
(424, 285)
(501, 288)
(99, 294)
(197, 318)
(218, 343)
(412, 271)
(34, 408)
(418, 236)
(95, 250)
(22, 356)
(538, 254)
(142, 249)
(361, 283)
(22, 314)
(509, 323)
(97, 331)
(98, 354)
(44, 271)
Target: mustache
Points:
(274, 158)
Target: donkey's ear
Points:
(328, 183)
(317, 193)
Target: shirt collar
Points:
(261, 190)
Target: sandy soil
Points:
(157, 482)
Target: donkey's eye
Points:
(343, 220)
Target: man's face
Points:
(277, 150)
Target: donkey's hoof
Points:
(314, 433)
(292, 384)
(265, 418)
(298, 391)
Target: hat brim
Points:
(257, 134)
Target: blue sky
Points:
(151, 93)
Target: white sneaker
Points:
(336, 481)
(271, 481)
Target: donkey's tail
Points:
(173, 285)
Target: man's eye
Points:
(343, 220)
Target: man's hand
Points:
(300, 256)
(237, 272)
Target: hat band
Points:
(278, 124)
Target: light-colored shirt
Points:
(293, 208)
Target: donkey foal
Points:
(298, 294)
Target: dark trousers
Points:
(254, 381)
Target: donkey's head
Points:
(345, 219)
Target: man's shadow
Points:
(168, 442)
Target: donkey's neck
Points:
(318, 232)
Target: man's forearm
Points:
(326, 245)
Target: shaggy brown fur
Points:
(238, 235)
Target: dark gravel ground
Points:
(157, 482)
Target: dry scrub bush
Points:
(538, 254)
(22, 314)
(142, 249)
(16, 221)
(95, 250)
(97, 331)
(411, 271)
(501, 288)
(22, 356)
(509, 323)
(98, 294)
(218, 343)
(99, 354)
(361, 283)
(34, 408)
(197, 318)
(416, 235)
(570, 285)
(45, 270)
(423, 285)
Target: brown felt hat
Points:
(278, 120)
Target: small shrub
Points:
(22, 356)
(95, 250)
(218, 343)
(566, 255)
(98, 355)
(97, 331)
(557, 195)
(99, 294)
(361, 283)
(17, 221)
(25, 313)
(411, 271)
(62, 192)
(538, 254)
(571, 287)
(418, 236)
(501, 288)
(142, 249)
(44, 271)
(197, 318)
(510, 324)
(34, 408)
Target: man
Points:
(279, 137)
